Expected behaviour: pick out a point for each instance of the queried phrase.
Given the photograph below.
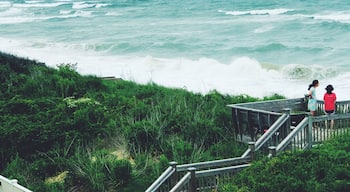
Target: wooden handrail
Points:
(7, 185)
(183, 181)
(214, 163)
(286, 141)
(254, 110)
(161, 179)
(246, 153)
(265, 137)
(212, 172)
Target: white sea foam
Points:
(5, 4)
(258, 12)
(243, 75)
(11, 12)
(342, 16)
(38, 5)
(337, 16)
(14, 20)
(82, 5)
(33, 2)
(102, 5)
(307, 72)
(81, 13)
(65, 12)
(10, 19)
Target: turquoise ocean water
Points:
(255, 47)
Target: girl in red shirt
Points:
(329, 99)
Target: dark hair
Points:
(329, 89)
(313, 84)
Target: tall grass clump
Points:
(98, 171)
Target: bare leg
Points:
(332, 124)
(313, 113)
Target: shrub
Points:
(321, 169)
(99, 171)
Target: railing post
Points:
(288, 123)
(272, 152)
(174, 177)
(309, 132)
(193, 179)
(306, 100)
(287, 111)
(252, 150)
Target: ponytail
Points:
(313, 84)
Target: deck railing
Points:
(320, 129)
(250, 120)
(341, 107)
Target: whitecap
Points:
(14, 20)
(258, 12)
(5, 4)
(65, 12)
(83, 13)
(11, 12)
(33, 1)
(102, 5)
(38, 5)
(82, 5)
(342, 16)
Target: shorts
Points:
(329, 112)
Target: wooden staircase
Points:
(288, 127)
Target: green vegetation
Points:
(61, 131)
(322, 169)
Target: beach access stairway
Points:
(268, 128)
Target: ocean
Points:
(253, 47)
